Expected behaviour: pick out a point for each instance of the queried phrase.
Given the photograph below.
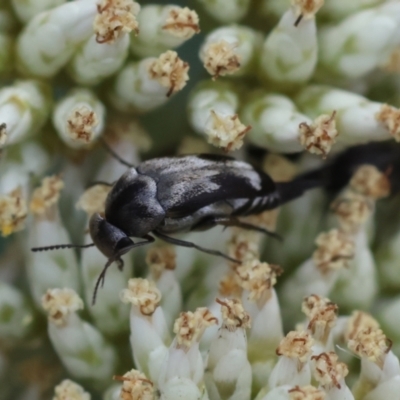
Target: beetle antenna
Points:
(115, 155)
(62, 246)
(100, 280)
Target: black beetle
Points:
(170, 195)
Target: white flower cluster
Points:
(292, 85)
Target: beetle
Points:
(164, 196)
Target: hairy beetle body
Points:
(189, 193)
(179, 194)
(169, 195)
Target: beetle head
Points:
(109, 239)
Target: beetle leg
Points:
(208, 223)
(245, 225)
(120, 264)
(115, 155)
(183, 243)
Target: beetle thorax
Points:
(132, 205)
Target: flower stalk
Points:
(16, 315)
(79, 118)
(289, 54)
(230, 51)
(182, 371)
(147, 84)
(146, 320)
(24, 108)
(163, 27)
(228, 352)
(162, 263)
(274, 121)
(80, 346)
(224, 12)
(49, 268)
(213, 112)
(355, 61)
